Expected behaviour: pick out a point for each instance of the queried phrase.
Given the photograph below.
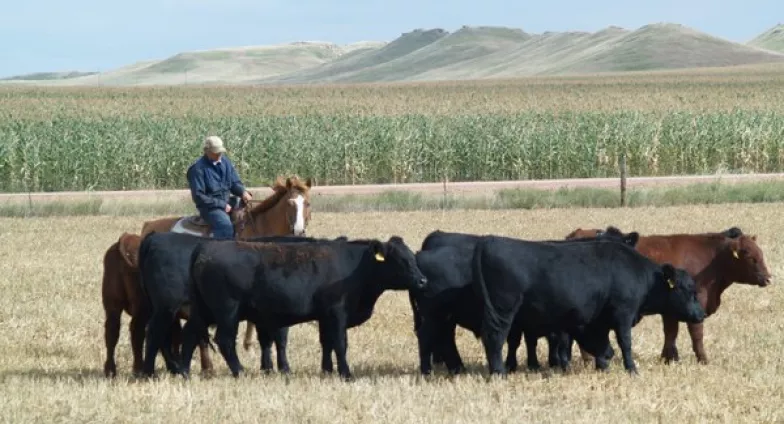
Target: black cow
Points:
(585, 289)
(449, 300)
(164, 262)
(277, 284)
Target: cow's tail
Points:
(144, 252)
(491, 318)
(197, 299)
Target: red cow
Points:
(121, 291)
(714, 260)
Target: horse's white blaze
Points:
(178, 228)
(299, 221)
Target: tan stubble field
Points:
(53, 348)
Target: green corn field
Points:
(54, 139)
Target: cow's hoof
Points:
(110, 370)
(456, 371)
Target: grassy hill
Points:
(772, 39)
(351, 64)
(47, 76)
(230, 65)
(436, 54)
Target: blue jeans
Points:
(219, 220)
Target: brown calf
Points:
(121, 291)
(714, 260)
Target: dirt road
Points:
(432, 188)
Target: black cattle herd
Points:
(500, 288)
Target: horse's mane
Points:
(280, 189)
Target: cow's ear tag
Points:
(379, 257)
(671, 283)
(735, 254)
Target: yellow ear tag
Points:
(379, 257)
(671, 283)
(735, 254)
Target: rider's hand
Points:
(246, 196)
(227, 208)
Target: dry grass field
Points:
(53, 349)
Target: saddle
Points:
(198, 224)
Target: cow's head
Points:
(614, 234)
(675, 293)
(398, 264)
(128, 244)
(743, 261)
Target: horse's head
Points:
(297, 204)
(285, 212)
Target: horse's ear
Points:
(309, 182)
(288, 182)
(129, 249)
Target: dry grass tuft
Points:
(53, 349)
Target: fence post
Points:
(623, 178)
(443, 202)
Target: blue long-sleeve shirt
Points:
(212, 184)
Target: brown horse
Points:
(121, 291)
(285, 212)
(270, 217)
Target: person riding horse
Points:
(216, 188)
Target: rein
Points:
(248, 217)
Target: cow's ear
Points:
(632, 238)
(379, 250)
(668, 271)
(129, 249)
(396, 240)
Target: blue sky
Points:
(89, 35)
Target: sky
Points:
(100, 35)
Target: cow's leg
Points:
(696, 333)
(111, 336)
(595, 341)
(452, 359)
(138, 325)
(194, 332)
(427, 335)
(226, 337)
(204, 357)
(495, 330)
(281, 338)
(327, 345)
(340, 336)
(170, 358)
(265, 337)
(670, 350)
(513, 343)
(623, 334)
(531, 344)
(248, 335)
(563, 341)
(157, 334)
(557, 345)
